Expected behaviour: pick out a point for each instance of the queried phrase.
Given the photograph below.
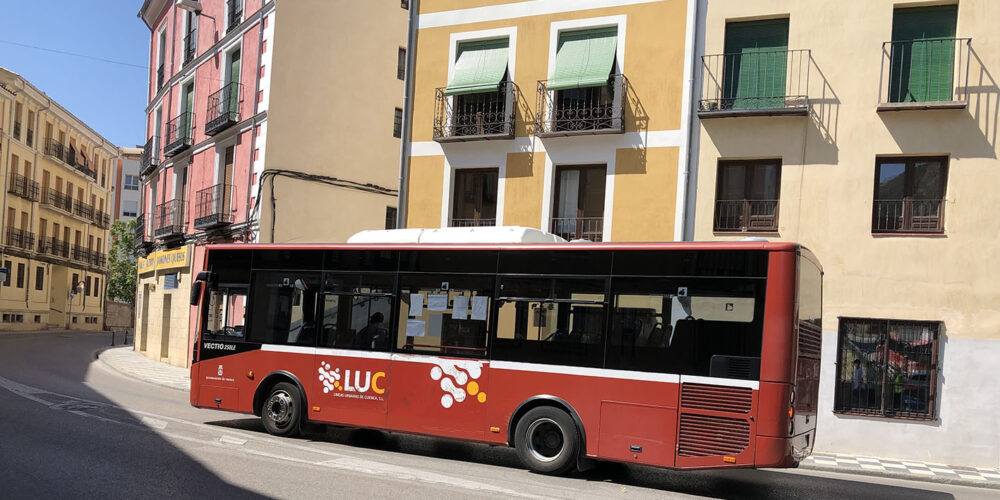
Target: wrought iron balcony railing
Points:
(586, 110)
(169, 219)
(81, 253)
(150, 156)
(55, 246)
(179, 134)
(69, 156)
(159, 77)
(487, 115)
(141, 231)
(769, 82)
(235, 16)
(908, 216)
(29, 137)
(212, 206)
(98, 259)
(925, 74)
(17, 129)
(472, 222)
(190, 46)
(223, 108)
(579, 228)
(84, 210)
(55, 149)
(746, 216)
(58, 200)
(23, 187)
(20, 238)
(101, 219)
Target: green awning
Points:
(479, 68)
(584, 58)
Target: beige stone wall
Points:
(332, 95)
(119, 315)
(166, 312)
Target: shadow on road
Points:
(736, 483)
(61, 438)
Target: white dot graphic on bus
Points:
(457, 379)
(329, 378)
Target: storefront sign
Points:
(165, 259)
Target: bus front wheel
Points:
(547, 440)
(282, 411)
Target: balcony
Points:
(81, 253)
(55, 247)
(98, 259)
(57, 200)
(169, 220)
(101, 219)
(159, 77)
(150, 156)
(141, 241)
(924, 74)
(480, 116)
(908, 216)
(579, 228)
(765, 83)
(212, 208)
(223, 108)
(179, 132)
(83, 210)
(69, 156)
(585, 110)
(190, 46)
(743, 216)
(472, 222)
(20, 238)
(235, 17)
(23, 187)
(55, 149)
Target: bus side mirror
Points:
(196, 292)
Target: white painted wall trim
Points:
(515, 10)
(650, 139)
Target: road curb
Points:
(130, 374)
(902, 475)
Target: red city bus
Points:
(676, 355)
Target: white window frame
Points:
(482, 35)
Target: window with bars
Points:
(397, 123)
(887, 368)
(401, 64)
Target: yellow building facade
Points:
(570, 117)
(867, 132)
(58, 174)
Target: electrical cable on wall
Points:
(322, 179)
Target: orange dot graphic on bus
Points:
(472, 388)
(482, 397)
(337, 385)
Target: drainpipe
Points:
(253, 122)
(34, 175)
(404, 149)
(681, 231)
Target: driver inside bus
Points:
(374, 333)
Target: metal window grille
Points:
(390, 217)
(887, 368)
(397, 123)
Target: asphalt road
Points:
(72, 427)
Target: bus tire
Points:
(547, 440)
(281, 412)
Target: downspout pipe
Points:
(404, 149)
(683, 229)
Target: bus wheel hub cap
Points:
(279, 407)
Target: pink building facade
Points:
(206, 121)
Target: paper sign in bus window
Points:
(434, 325)
(460, 308)
(416, 305)
(479, 306)
(437, 302)
(414, 328)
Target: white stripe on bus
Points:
(523, 367)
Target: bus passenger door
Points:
(351, 376)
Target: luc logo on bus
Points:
(355, 381)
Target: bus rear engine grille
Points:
(716, 398)
(810, 340)
(704, 436)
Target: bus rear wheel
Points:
(547, 440)
(282, 410)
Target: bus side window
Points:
(284, 308)
(555, 321)
(444, 314)
(356, 312)
(226, 313)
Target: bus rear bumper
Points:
(777, 452)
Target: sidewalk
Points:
(904, 469)
(135, 365)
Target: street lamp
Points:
(192, 6)
(77, 289)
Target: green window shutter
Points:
(584, 58)
(479, 67)
(756, 61)
(923, 54)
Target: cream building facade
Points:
(58, 174)
(570, 117)
(868, 132)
